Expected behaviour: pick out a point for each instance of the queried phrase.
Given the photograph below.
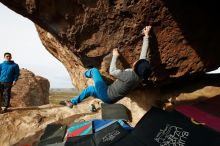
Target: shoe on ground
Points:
(93, 108)
(4, 109)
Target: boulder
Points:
(184, 38)
(24, 126)
(183, 46)
(30, 90)
(27, 124)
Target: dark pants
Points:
(5, 94)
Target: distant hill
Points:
(63, 90)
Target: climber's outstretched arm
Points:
(145, 45)
(113, 69)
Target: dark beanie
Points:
(142, 68)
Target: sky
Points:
(18, 36)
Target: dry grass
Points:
(56, 96)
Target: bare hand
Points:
(115, 52)
(146, 30)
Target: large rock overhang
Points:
(184, 38)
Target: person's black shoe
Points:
(93, 108)
(4, 109)
(66, 103)
(69, 104)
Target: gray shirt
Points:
(126, 79)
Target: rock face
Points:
(22, 126)
(184, 41)
(80, 32)
(30, 90)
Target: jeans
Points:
(5, 94)
(99, 90)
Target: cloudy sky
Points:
(19, 37)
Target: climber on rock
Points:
(126, 80)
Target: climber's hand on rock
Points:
(115, 52)
(146, 31)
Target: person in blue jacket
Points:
(9, 73)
